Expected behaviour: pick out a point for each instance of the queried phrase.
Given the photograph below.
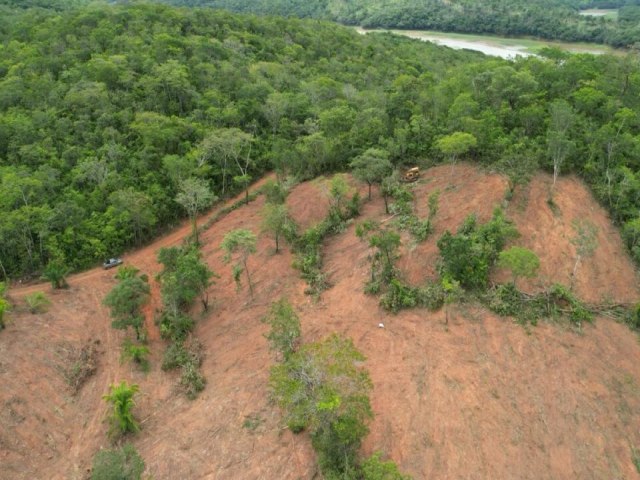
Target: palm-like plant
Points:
(121, 398)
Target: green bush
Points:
(121, 399)
(37, 302)
(137, 353)
(175, 327)
(431, 296)
(468, 255)
(373, 468)
(398, 297)
(118, 464)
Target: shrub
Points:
(118, 464)
(37, 302)
(191, 380)
(398, 296)
(56, 272)
(121, 399)
(284, 335)
(176, 326)
(375, 469)
(137, 353)
(322, 387)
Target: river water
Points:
(508, 48)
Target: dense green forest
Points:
(105, 110)
(550, 19)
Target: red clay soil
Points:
(480, 398)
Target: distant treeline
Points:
(550, 19)
(105, 110)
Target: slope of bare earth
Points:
(479, 398)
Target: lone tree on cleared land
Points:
(194, 196)
(243, 243)
(126, 300)
(372, 167)
(277, 221)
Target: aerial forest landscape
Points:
(246, 240)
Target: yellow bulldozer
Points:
(411, 175)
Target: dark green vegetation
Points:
(322, 388)
(551, 19)
(121, 417)
(122, 463)
(184, 278)
(106, 111)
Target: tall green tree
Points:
(372, 167)
(194, 195)
(125, 301)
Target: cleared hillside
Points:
(481, 397)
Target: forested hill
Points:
(550, 19)
(105, 110)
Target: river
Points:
(508, 48)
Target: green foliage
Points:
(308, 245)
(275, 192)
(278, 222)
(56, 272)
(468, 255)
(284, 335)
(126, 271)
(549, 19)
(37, 302)
(194, 194)
(322, 388)
(241, 243)
(373, 468)
(434, 197)
(184, 278)
(521, 261)
(121, 399)
(406, 219)
(553, 303)
(187, 355)
(386, 242)
(372, 167)
(635, 457)
(126, 300)
(398, 297)
(137, 353)
(122, 463)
